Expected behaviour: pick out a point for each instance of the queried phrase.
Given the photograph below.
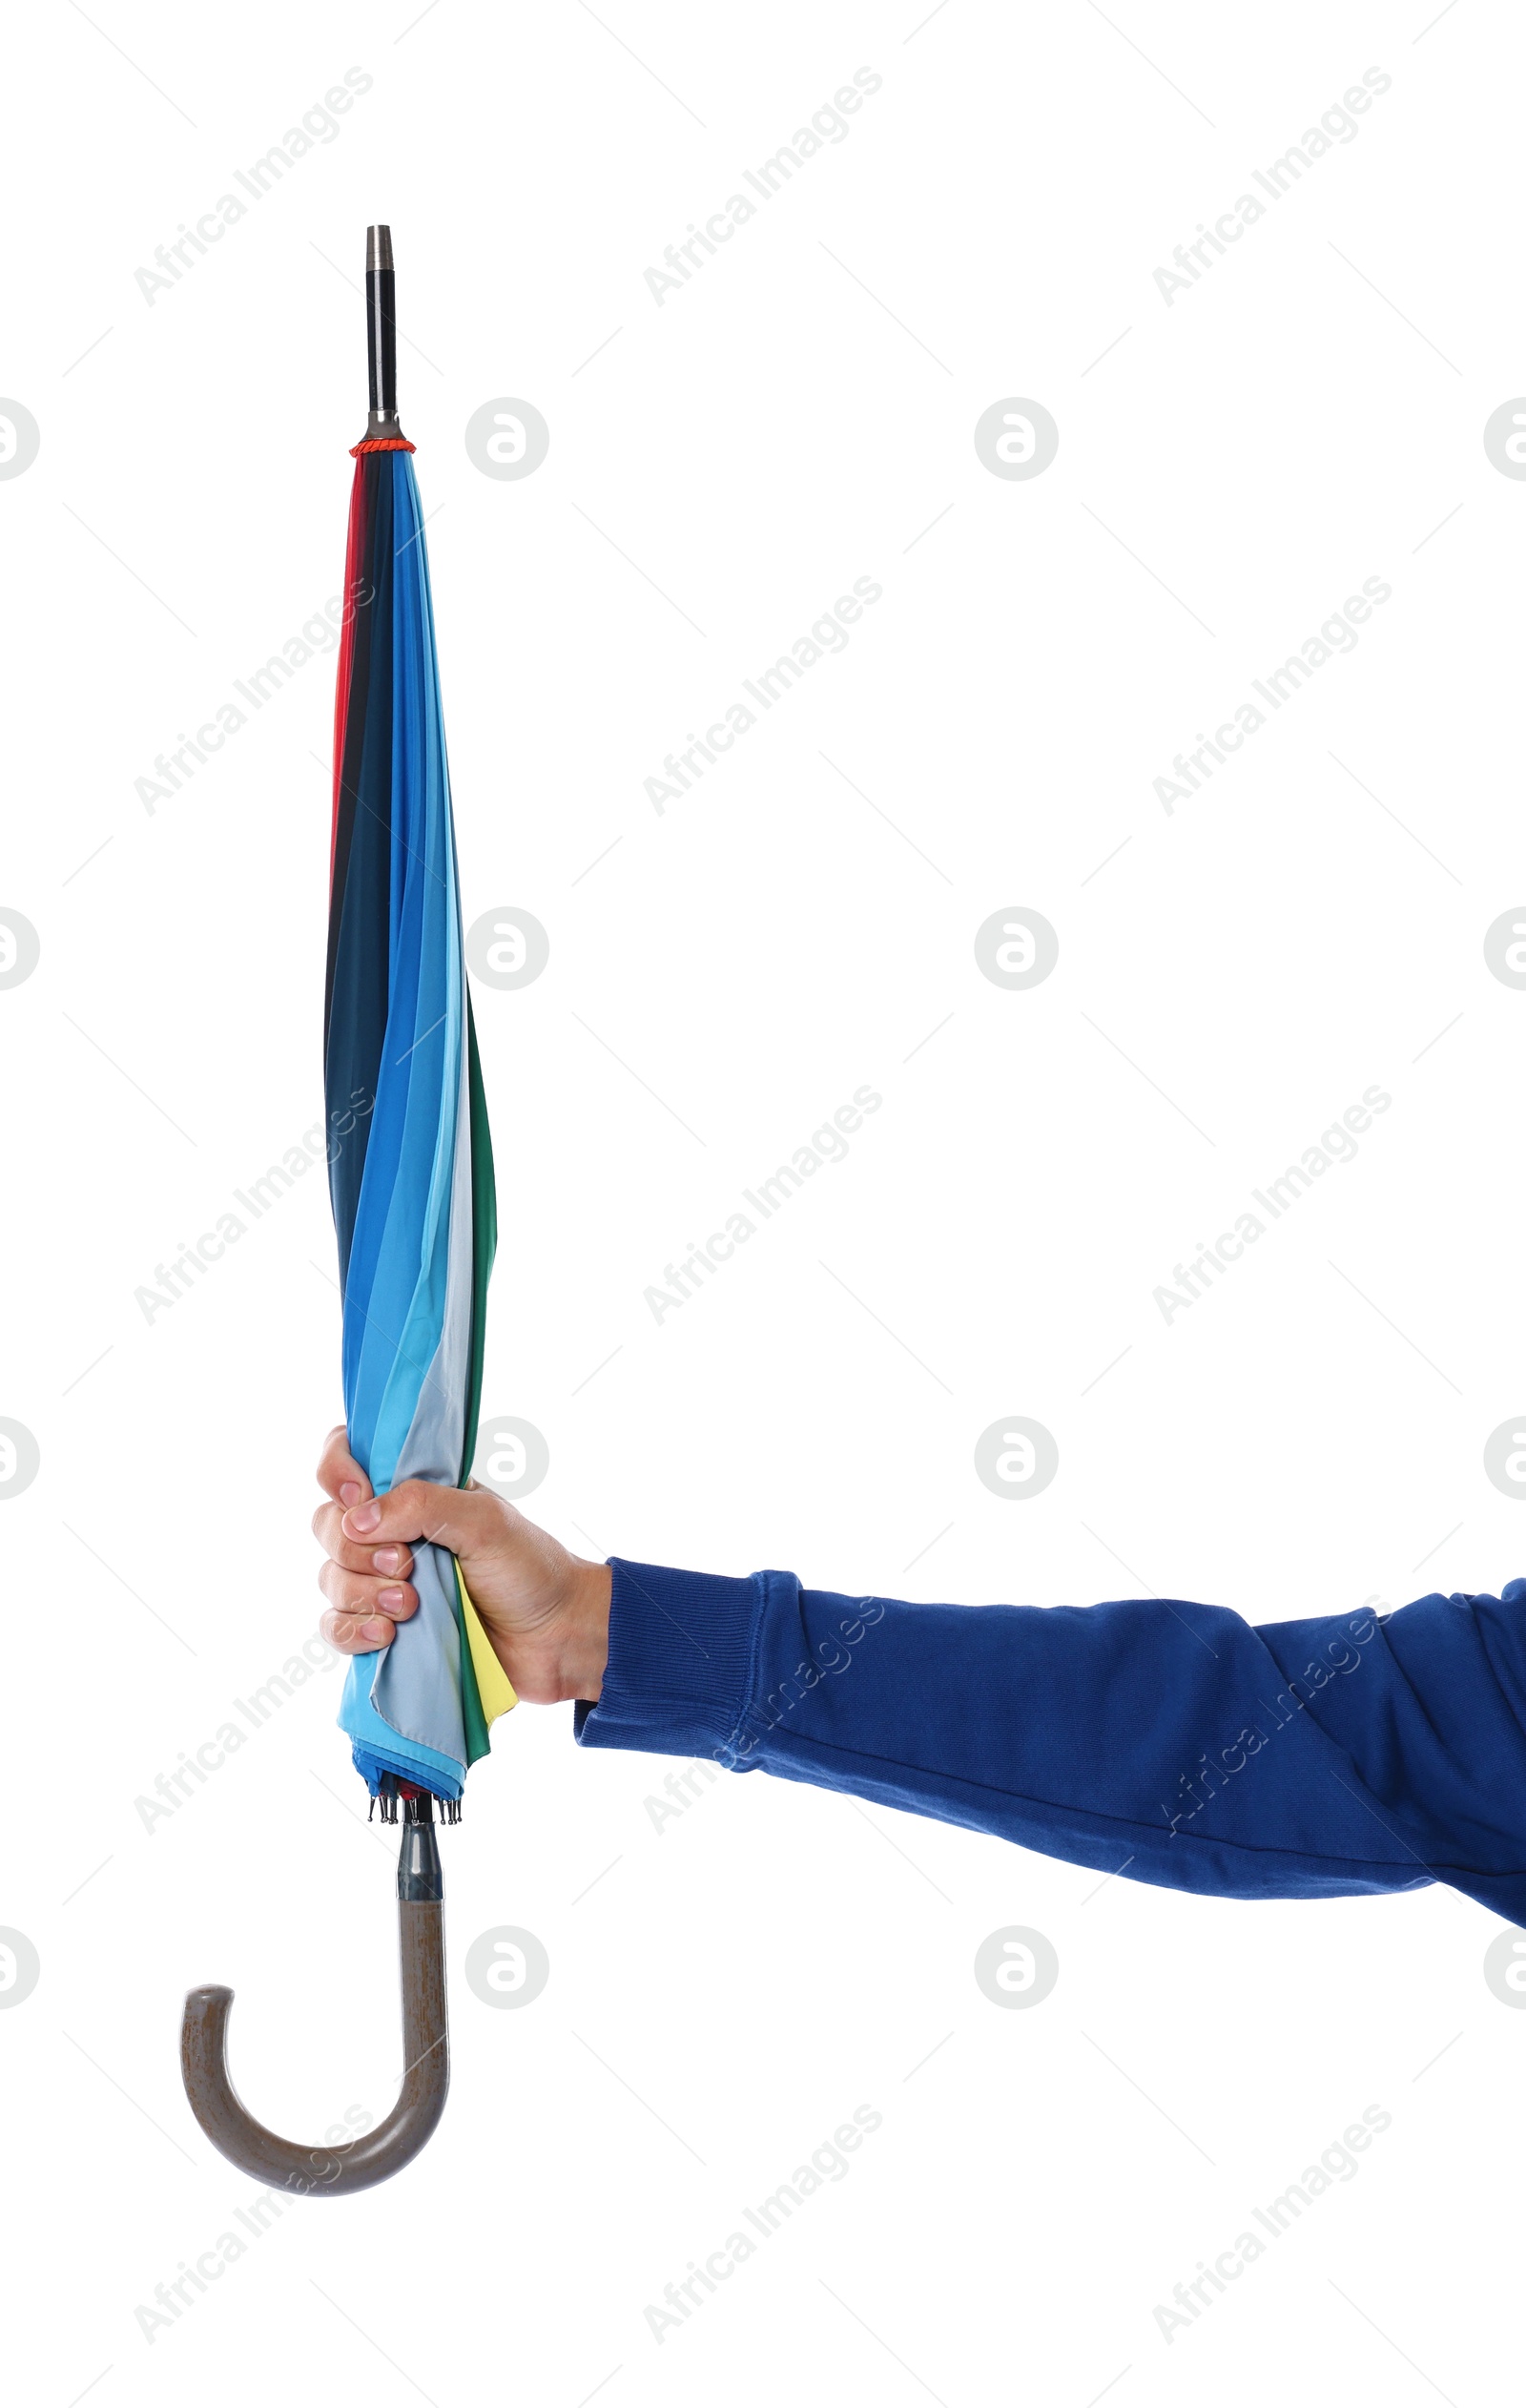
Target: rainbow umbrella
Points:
(411, 1178)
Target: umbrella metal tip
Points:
(378, 248)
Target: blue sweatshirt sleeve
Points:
(1167, 1741)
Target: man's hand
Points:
(546, 1612)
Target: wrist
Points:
(585, 1631)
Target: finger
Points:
(362, 1593)
(458, 1519)
(365, 1609)
(352, 1636)
(338, 1475)
(390, 1562)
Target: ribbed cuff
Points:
(681, 1652)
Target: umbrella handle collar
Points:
(331, 2172)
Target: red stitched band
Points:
(382, 443)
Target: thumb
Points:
(457, 1519)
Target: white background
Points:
(1231, 468)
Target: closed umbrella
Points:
(411, 1179)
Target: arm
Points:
(1169, 1741)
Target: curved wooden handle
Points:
(330, 2172)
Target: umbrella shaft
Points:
(420, 1878)
(382, 337)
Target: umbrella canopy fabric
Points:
(411, 1172)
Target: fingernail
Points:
(362, 1518)
(385, 1559)
(349, 1492)
(376, 1630)
(390, 1598)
